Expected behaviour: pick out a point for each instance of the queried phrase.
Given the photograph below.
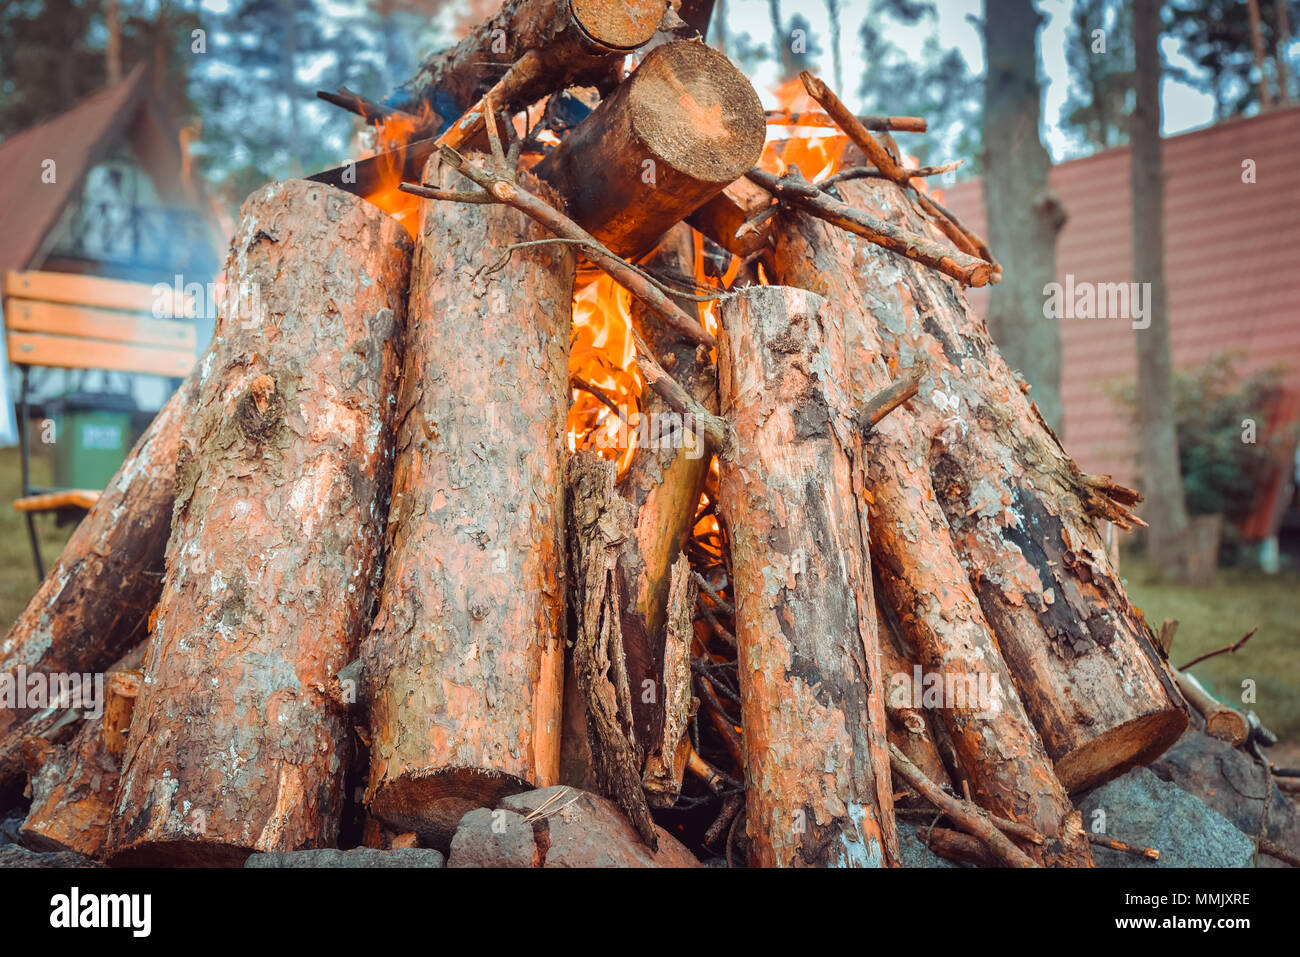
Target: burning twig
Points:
(366, 109)
(797, 191)
(902, 124)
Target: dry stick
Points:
(973, 819)
(853, 128)
(902, 124)
(890, 398)
(797, 191)
(713, 593)
(1227, 650)
(870, 172)
(1135, 849)
(354, 103)
(982, 250)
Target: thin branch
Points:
(1135, 849)
(797, 191)
(902, 124)
(970, 817)
(1227, 650)
(891, 397)
(853, 128)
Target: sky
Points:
(1184, 108)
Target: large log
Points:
(465, 661)
(578, 42)
(812, 695)
(920, 569)
(1025, 520)
(95, 602)
(236, 744)
(679, 130)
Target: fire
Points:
(793, 140)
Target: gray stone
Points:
(1140, 808)
(364, 857)
(14, 856)
(487, 838)
(1231, 782)
(585, 830)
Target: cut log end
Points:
(431, 802)
(1128, 745)
(623, 25)
(179, 853)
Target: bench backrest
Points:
(68, 321)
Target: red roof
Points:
(1232, 262)
(29, 207)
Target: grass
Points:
(1212, 618)
(17, 571)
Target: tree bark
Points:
(95, 602)
(237, 744)
(474, 590)
(1162, 481)
(912, 547)
(663, 483)
(581, 41)
(1016, 511)
(1024, 214)
(74, 785)
(812, 696)
(679, 130)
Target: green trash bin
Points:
(92, 434)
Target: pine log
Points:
(95, 602)
(722, 217)
(1026, 521)
(473, 591)
(235, 745)
(812, 696)
(680, 129)
(580, 43)
(919, 566)
(663, 483)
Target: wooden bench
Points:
(69, 321)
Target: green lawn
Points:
(17, 572)
(1212, 618)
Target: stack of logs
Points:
(355, 541)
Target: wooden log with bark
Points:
(920, 568)
(1027, 522)
(578, 43)
(71, 625)
(817, 769)
(464, 664)
(237, 744)
(678, 131)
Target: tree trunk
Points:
(812, 696)
(289, 448)
(663, 483)
(679, 130)
(1024, 213)
(95, 602)
(474, 590)
(1166, 511)
(912, 548)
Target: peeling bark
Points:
(817, 768)
(666, 755)
(274, 557)
(912, 547)
(465, 661)
(95, 601)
